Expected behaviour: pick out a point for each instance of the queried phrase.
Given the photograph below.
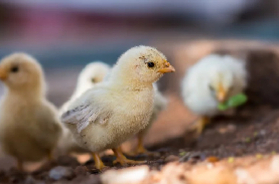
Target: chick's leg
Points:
(202, 122)
(140, 148)
(120, 158)
(98, 162)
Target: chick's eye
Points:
(150, 64)
(93, 80)
(14, 69)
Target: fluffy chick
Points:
(29, 124)
(115, 110)
(91, 74)
(212, 80)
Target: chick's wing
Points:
(88, 111)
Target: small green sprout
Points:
(247, 139)
(182, 153)
(232, 102)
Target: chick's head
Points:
(19, 71)
(93, 73)
(220, 84)
(142, 64)
(225, 78)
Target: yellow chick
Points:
(118, 108)
(92, 74)
(29, 124)
(210, 81)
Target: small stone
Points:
(275, 164)
(123, 176)
(80, 170)
(243, 176)
(212, 159)
(171, 158)
(60, 172)
(262, 132)
(67, 161)
(30, 180)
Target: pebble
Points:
(171, 158)
(60, 172)
(80, 170)
(30, 180)
(125, 176)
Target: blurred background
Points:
(64, 35)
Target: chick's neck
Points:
(33, 92)
(129, 84)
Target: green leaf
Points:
(232, 102)
(223, 106)
(237, 100)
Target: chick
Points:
(212, 80)
(92, 74)
(29, 124)
(118, 108)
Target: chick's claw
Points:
(120, 158)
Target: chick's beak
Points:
(3, 74)
(167, 68)
(221, 93)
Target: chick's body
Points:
(29, 124)
(92, 74)
(120, 119)
(118, 108)
(206, 80)
(28, 130)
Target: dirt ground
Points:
(237, 147)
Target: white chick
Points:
(115, 110)
(29, 124)
(212, 80)
(91, 74)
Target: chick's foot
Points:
(141, 149)
(202, 122)
(120, 158)
(98, 162)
